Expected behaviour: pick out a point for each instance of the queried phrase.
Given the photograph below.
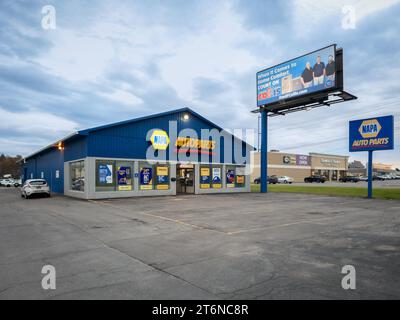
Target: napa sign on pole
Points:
(370, 135)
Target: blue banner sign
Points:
(311, 73)
(106, 173)
(371, 134)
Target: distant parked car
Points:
(7, 182)
(285, 179)
(349, 179)
(315, 178)
(363, 178)
(35, 186)
(270, 179)
(379, 178)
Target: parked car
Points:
(379, 178)
(349, 179)
(17, 183)
(35, 187)
(7, 182)
(315, 178)
(285, 179)
(270, 179)
(363, 178)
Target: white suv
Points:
(35, 186)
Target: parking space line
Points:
(162, 218)
(283, 225)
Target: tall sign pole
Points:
(264, 151)
(370, 135)
(370, 174)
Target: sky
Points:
(107, 61)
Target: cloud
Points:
(114, 61)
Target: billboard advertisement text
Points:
(311, 73)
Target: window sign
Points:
(57, 174)
(216, 178)
(146, 178)
(205, 178)
(162, 178)
(230, 178)
(105, 173)
(124, 178)
(240, 177)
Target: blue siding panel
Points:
(75, 148)
(47, 162)
(128, 140)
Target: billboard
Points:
(314, 72)
(371, 134)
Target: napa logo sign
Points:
(160, 140)
(371, 134)
(370, 128)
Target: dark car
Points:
(349, 179)
(315, 178)
(270, 179)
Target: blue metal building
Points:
(163, 154)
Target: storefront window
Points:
(105, 175)
(124, 176)
(77, 173)
(240, 177)
(216, 177)
(162, 177)
(325, 173)
(230, 177)
(205, 178)
(146, 172)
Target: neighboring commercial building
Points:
(299, 166)
(358, 169)
(382, 168)
(113, 160)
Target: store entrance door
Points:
(184, 178)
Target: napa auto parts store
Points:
(161, 154)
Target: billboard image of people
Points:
(310, 73)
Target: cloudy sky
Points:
(107, 61)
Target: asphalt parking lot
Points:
(232, 246)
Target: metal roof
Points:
(85, 132)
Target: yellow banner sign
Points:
(124, 188)
(162, 171)
(162, 186)
(195, 143)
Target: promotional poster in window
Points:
(307, 74)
